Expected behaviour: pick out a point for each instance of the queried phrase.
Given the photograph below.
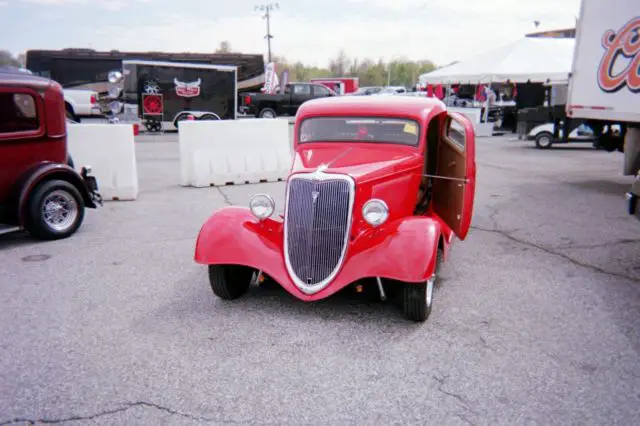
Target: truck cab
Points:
(264, 105)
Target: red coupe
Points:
(377, 190)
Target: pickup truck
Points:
(264, 105)
(82, 103)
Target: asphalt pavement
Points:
(536, 320)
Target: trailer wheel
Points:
(182, 117)
(209, 116)
(267, 113)
(152, 125)
(544, 140)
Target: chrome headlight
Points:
(114, 77)
(262, 206)
(375, 212)
(115, 107)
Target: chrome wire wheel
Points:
(59, 210)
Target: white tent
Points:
(531, 58)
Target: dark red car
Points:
(39, 190)
(378, 188)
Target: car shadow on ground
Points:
(600, 186)
(272, 301)
(18, 239)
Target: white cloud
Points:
(439, 30)
(443, 31)
(4, 3)
(113, 5)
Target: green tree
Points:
(401, 72)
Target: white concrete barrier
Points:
(216, 153)
(109, 149)
(475, 115)
(472, 114)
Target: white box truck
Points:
(604, 86)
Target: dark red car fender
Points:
(403, 250)
(47, 170)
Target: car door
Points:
(454, 188)
(320, 91)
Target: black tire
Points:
(544, 140)
(414, 297)
(267, 111)
(37, 222)
(70, 114)
(208, 117)
(153, 125)
(230, 282)
(70, 162)
(181, 117)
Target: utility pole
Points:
(267, 8)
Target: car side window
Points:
(321, 90)
(18, 113)
(302, 89)
(456, 133)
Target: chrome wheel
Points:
(545, 141)
(59, 210)
(429, 291)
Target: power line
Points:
(266, 9)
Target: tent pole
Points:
(486, 108)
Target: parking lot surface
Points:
(536, 319)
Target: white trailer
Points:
(604, 86)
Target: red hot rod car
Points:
(377, 189)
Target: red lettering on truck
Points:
(624, 47)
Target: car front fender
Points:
(233, 236)
(403, 250)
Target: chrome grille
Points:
(317, 226)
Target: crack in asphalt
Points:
(465, 419)
(227, 201)
(609, 244)
(126, 407)
(441, 383)
(555, 253)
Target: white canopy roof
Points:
(531, 58)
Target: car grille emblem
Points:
(314, 195)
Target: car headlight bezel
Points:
(264, 201)
(373, 217)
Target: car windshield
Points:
(360, 129)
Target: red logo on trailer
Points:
(152, 104)
(187, 90)
(621, 48)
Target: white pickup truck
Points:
(604, 87)
(82, 103)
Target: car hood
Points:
(362, 162)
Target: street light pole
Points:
(267, 8)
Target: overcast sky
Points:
(311, 31)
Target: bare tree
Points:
(7, 59)
(340, 64)
(225, 47)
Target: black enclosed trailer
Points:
(161, 94)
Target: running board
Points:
(5, 229)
